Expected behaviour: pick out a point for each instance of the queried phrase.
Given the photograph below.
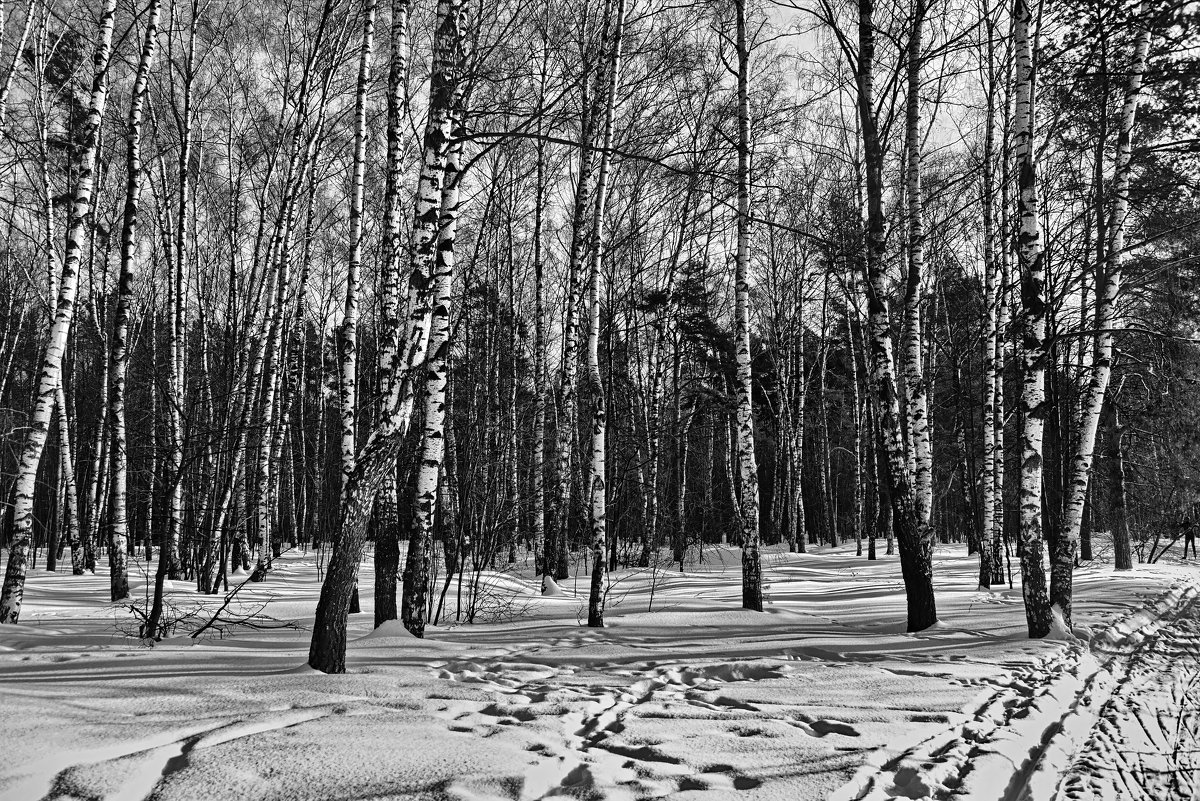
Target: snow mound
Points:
(389, 629)
(1058, 626)
(550, 587)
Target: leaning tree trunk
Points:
(915, 541)
(327, 651)
(1065, 548)
(51, 363)
(747, 468)
(1033, 304)
(18, 54)
(433, 440)
(118, 360)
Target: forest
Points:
(554, 368)
(594, 288)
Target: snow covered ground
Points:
(823, 695)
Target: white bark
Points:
(349, 332)
(1101, 372)
(990, 331)
(327, 651)
(916, 389)
(433, 439)
(56, 344)
(1033, 304)
(597, 484)
(747, 465)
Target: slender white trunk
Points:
(990, 332)
(387, 545)
(747, 466)
(70, 527)
(18, 54)
(568, 389)
(914, 375)
(349, 331)
(1064, 553)
(56, 344)
(597, 484)
(118, 358)
(177, 304)
(539, 357)
(1033, 304)
(437, 374)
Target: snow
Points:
(1059, 630)
(823, 695)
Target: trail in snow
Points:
(1146, 740)
(575, 729)
(155, 760)
(698, 699)
(1114, 720)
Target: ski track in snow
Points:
(156, 759)
(1146, 741)
(1117, 719)
(697, 699)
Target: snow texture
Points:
(822, 695)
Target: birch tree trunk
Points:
(327, 651)
(56, 344)
(6, 87)
(70, 491)
(433, 441)
(568, 389)
(747, 467)
(1033, 304)
(349, 331)
(999, 533)
(387, 543)
(539, 356)
(915, 541)
(118, 358)
(1066, 546)
(1117, 514)
(608, 79)
(177, 311)
(991, 299)
(915, 385)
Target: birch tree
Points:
(1033, 308)
(915, 386)
(608, 79)
(747, 464)
(915, 541)
(119, 355)
(387, 546)
(376, 458)
(50, 374)
(991, 299)
(1064, 549)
